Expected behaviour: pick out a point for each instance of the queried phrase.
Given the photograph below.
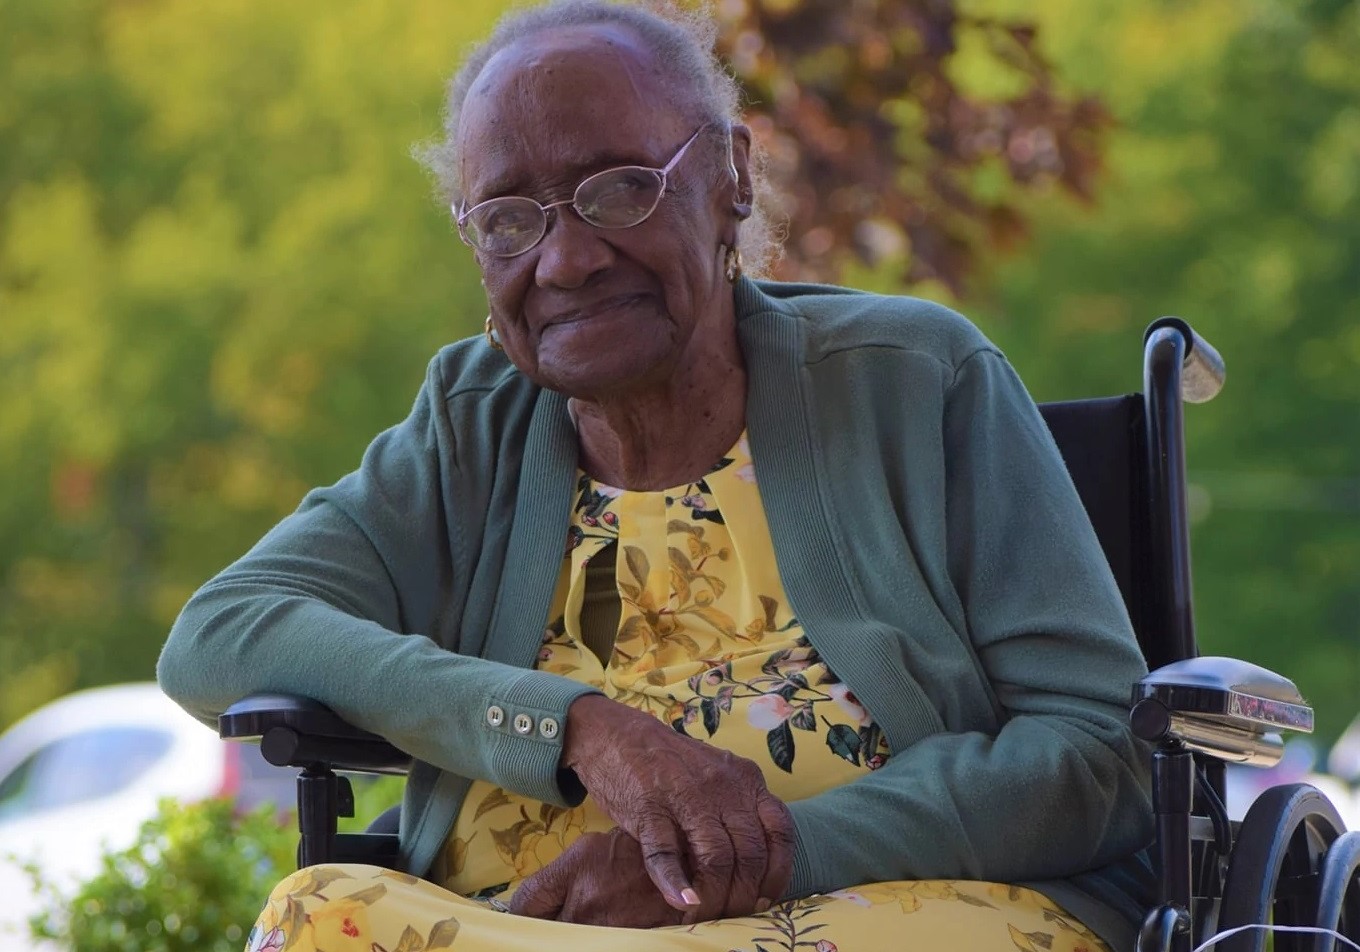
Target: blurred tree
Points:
(1233, 200)
(220, 274)
(900, 134)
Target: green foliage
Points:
(220, 276)
(372, 797)
(194, 881)
(1233, 200)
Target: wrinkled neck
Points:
(672, 432)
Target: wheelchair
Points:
(1289, 862)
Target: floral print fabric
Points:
(353, 908)
(708, 643)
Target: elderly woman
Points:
(759, 616)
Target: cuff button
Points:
(495, 716)
(548, 727)
(524, 724)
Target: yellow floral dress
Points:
(705, 641)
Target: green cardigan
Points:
(928, 537)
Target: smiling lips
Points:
(575, 315)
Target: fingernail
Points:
(690, 896)
(762, 904)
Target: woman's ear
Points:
(739, 160)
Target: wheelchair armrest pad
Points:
(1226, 674)
(300, 732)
(1229, 689)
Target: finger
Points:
(599, 896)
(659, 838)
(713, 859)
(587, 896)
(780, 842)
(585, 903)
(573, 910)
(626, 898)
(543, 894)
(751, 855)
(643, 915)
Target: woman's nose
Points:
(571, 252)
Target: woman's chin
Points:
(599, 375)
(587, 362)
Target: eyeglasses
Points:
(615, 198)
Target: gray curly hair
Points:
(684, 43)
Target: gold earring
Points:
(490, 330)
(732, 263)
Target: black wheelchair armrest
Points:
(1223, 707)
(300, 732)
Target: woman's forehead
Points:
(571, 98)
(545, 61)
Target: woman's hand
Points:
(601, 880)
(685, 802)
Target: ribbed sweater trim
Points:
(821, 591)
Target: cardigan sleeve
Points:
(1061, 786)
(324, 605)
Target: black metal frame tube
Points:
(1173, 786)
(318, 809)
(1168, 521)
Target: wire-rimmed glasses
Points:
(620, 197)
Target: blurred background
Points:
(221, 274)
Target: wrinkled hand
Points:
(687, 804)
(601, 880)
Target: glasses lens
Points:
(619, 198)
(505, 226)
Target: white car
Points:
(82, 773)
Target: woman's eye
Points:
(619, 198)
(507, 221)
(624, 186)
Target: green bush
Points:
(372, 795)
(194, 881)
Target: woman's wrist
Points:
(585, 717)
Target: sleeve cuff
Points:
(806, 879)
(526, 723)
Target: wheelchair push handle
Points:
(1202, 368)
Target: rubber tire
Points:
(1286, 832)
(1339, 893)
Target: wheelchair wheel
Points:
(1339, 892)
(1276, 860)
